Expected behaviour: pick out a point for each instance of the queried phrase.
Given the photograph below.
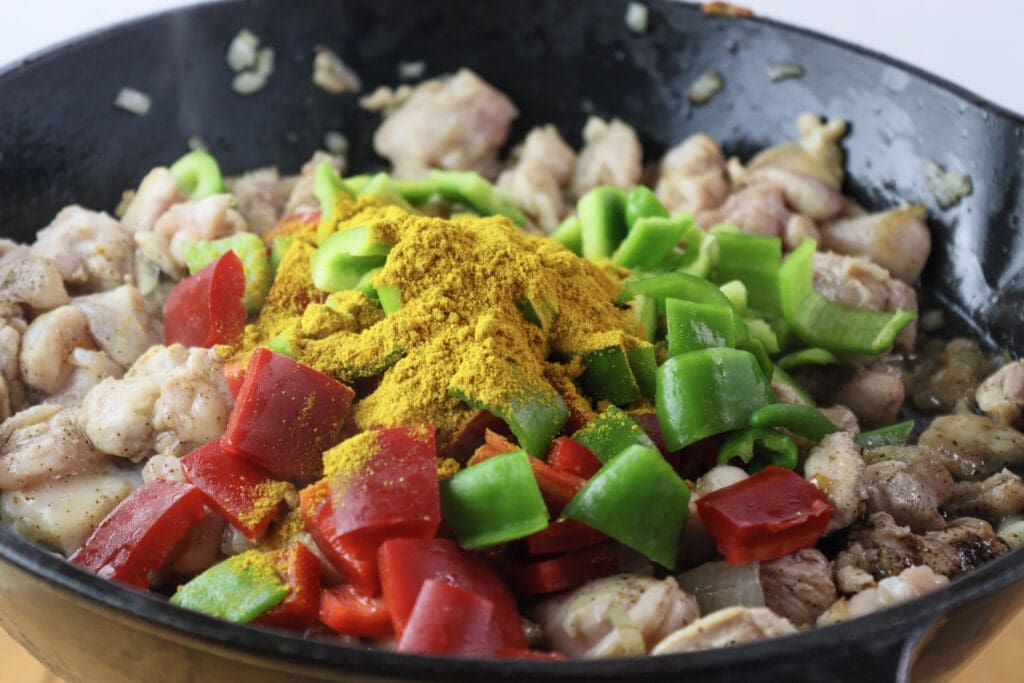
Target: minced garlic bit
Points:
(947, 187)
(242, 50)
(133, 101)
(411, 71)
(335, 143)
(705, 87)
(637, 17)
(385, 99)
(779, 72)
(333, 75)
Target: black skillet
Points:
(62, 141)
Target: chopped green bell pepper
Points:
(198, 175)
(758, 448)
(692, 326)
(346, 256)
(493, 501)
(736, 292)
(328, 188)
(278, 248)
(798, 359)
(251, 251)
(645, 311)
(780, 376)
(642, 203)
(764, 361)
(610, 433)
(892, 435)
(701, 252)
(569, 234)
(381, 185)
(754, 260)
(472, 190)
(650, 241)
(637, 499)
(707, 392)
(610, 372)
(805, 421)
(239, 589)
(602, 214)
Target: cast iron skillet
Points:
(61, 141)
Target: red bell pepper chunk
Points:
(347, 611)
(206, 308)
(319, 518)
(137, 536)
(234, 375)
(448, 620)
(299, 568)
(567, 571)
(561, 536)
(393, 494)
(573, 457)
(648, 421)
(286, 416)
(293, 224)
(244, 493)
(766, 516)
(557, 487)
(406, 564)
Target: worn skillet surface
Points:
(61, 141)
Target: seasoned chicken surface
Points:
(1001, 395)
(908, 584)
(897, 240)
(973, 446)
(157, 192)
(729, 626)
(192, 221)
(910, 484)
(260, 197)
(798, 586)
(31, 280)
(92, 251)
(835, 466)
(41, 444)
(119, 323)
(993, 499)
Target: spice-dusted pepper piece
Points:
(198, 175)
(346, 256)
(206, 309)
(611, 432)
(300, 570)
(252, 252)
(650, 240)
(602, 214)
(239, 589)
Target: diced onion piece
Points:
(249, 82)
(335, 143)
(947, 187)
(133, 101)
(411, 71)
(778, 72)
(242, 50)
(1011, 530)
(705, 87)
(637, 17)
(333, 75)
(718, 585)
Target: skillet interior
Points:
(61, 141)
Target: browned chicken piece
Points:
(910, 484)
(835, 466)
(92, 251)
(540, 177)
(798, 586)
(455, 123)
(842, 417)
(993, 499)
(729, 626)
(611, 155)
(12, 389)
(756, 210)
(30, 280)
(615, 616)
(909, 584)
(973, 446)
(898, 239)
(157, 192)
(692, 176)
(947, 380)
(260, 196)
(850, 580)
(882, 548)
(859, 283)
(803, 194)
(1001, 395)
(817, 155)
(301, 197)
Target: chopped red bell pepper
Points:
(472, 434)
(293, 224)
(494, 444)
(244, 493)
(286, 416)
(557, 487)
(347, 611)
(449, 620)
(648, 421)
(562, 536)
(137, 536)
(299, 568)
(206, 308)
(406, 564)
(766, 516)
(573, 457)
(566, 571)
(319, 518)
(234, 375)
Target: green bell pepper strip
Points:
(892, 435)
(819, 322)
(691, 326)
(278, 248)
(644, 365)
(345, 257)
(355, 183)
(707, 392)
(650, 241)
(602, 214)
(327, 187)
(642, 203)
(539, 310)
(383, 186)
(569, 234)
(754, 260)
(637, 499)
(736, 292)
(416, 190)
(611, 432)
(645, 311)
(365, 284)
(390, 297)
(701, 253)
(281, 345)
(673, 285)
(780, 376)
(760, 353)
(758, 448)
(251, 251)
(763, 332)
(805, 421)
(472, 190)
(608, 376)
(239, 589)
(198, 175)
(534, 413)
(798, 359)
(493, 501)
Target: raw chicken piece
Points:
(43, 443)
(973, 446)
(697, 546)
(92, 251)
(88, 368)
(910, 484)
(798, 586)
(835, 466)
(799, 228)
(163, 467)
(996, 498)
(157, 192)
(729, 626)
(538, 181)
(842, 417)
(457, 123)
(47, 346)
(301, 197)
(1001, 395)
(692, 176)
(30, 280)
(756, 210)
(615, 616)
(260, 197)
(611, 155)
(12, 389)
(193, 221)
(119, 323)
(803, 194)
(910, 583)
(898, 239)
(817, 155)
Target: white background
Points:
(976, 43)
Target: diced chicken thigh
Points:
(996, 498)
(692, 176)
(611, 155)
(1001, 395)
(43, 443)
(30, 280)
(973, 446)
(729, 626)
(260, 196)
(539, 179)
(798, 586)
(910, 484)
(835, 466)
(898, 239)
(193, 221)
(756, 210)
(92, 251)
(910, 583)
(157, 192)
(119, 323)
